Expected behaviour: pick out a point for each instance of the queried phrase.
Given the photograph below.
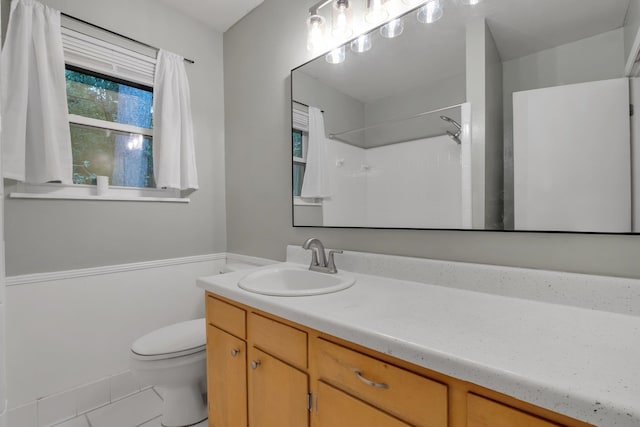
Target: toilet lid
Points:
(184, 337)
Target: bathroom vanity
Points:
(389, 352)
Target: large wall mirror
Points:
(503, 115)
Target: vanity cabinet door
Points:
(277, 392)
(482, 412)
(226, 379)
(338, 409)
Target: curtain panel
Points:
(174, 159)
(36, 141)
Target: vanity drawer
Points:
(286, 343)
(226, 317)
(411, 397)
(482, 412)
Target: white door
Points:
(572, 158)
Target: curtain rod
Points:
(190, 61)
(305, 105)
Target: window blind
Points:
(300, 120)
(107, 58)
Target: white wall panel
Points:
(67, 332)
(571, 158)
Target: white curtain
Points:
(316, 183)
(36, 141)
(174, 158)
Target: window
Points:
(299, 140)
(111, 123)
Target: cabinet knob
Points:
(255, 364)
(235, 352)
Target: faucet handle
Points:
(331, 264)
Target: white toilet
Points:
(173, 359)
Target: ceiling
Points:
(424, 55)
(218, 14)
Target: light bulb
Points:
(361, 44)
(430, 12)
(336, 56)
(376, 13)
(470, 2)
(392, 28)
(315, 33)
(341, 18)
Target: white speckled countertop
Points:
(579, 362)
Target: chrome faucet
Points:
(319, 261)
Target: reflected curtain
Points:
(36, 141)
(316, 182)
(174, 159)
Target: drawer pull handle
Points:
(369, 382)
(235, 352)
(255, 364)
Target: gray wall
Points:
(444, 93)
(631, 27)
(341, 111)
(484, 92)
(595, 58)
(44, 235)
(259, 53)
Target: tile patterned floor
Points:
(141, 409)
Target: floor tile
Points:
(56, 408)
(80, 421)
(130, 412)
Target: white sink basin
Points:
(294, 282)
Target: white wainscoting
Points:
(68, 333)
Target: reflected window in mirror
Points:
(299, 161)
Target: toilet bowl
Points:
(173, 359)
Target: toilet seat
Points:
(180, 339)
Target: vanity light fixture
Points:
(362, 43)
(430, 12)
(343, 22)
(392, 28)
(337, 55)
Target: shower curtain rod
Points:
(402, 141)
(426, 113)
(66, 15)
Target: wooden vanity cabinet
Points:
(256, 369)
(264, 371)
(226, 378)
(277, 393)
(482, 412)
(226, 364)
(410, 397)
(278, 381)
(339, 409)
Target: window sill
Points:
(88, 192)
(299, 201)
